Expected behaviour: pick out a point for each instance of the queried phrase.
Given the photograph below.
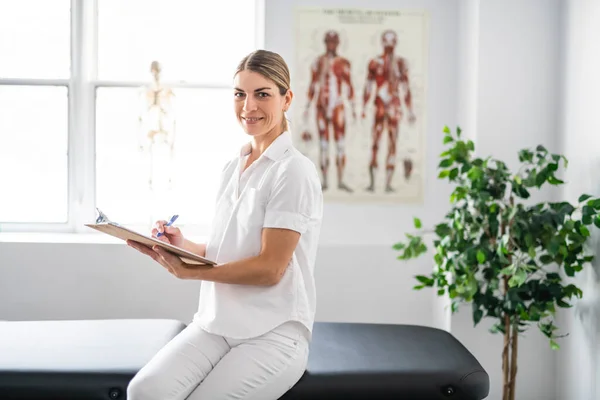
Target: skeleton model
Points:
(156, 140)
(157, 130)
(329, 73)
(389, 74)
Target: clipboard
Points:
(118, 231)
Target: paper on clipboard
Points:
(118, 231)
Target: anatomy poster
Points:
(359, 79)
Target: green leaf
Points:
(446, 129)
(508, 270)
(453, 173)
(583, 197)
(481, 257)
(555, 181)
(475, 173)
(425, 280)
(399, 246)
(554, 345)
(446, 163)
(572, 290)
(569, 270)
(448, 139)
(417, 223)
(525, 155)
(477, 315)
(540, 179)
(594, 203)
(562, 304)
(518, 278)
(529, 240)
(454, 306)
(443, 230)
(521, 192)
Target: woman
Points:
(250, 336)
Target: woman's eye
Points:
(262, 94)
(238, 94)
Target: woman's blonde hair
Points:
(272, 66)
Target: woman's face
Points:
(258, 105)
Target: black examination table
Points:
(95, 360)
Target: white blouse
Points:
(281, 189)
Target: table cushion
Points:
(83, 359)
(379, 361)
(96, 359)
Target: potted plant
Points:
(499, 251)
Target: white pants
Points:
(197, 365)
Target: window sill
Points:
(69, 238)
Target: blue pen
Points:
(173, 219)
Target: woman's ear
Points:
(288, 99)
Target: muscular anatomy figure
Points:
(388, 73)
(329, 73)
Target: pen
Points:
(173, 219)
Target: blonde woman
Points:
(251, 334)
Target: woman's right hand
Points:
(171, 234)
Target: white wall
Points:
(486, 58)
(81, 280)
(580, 133)
(467, 61)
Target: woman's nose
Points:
(249, 104)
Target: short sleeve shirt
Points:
(281, 189)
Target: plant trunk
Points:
(513, 359)
(509, 358)
(505, 359)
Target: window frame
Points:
(82, 85)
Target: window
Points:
(34, 111)
(76, 119)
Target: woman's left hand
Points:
(171, 262)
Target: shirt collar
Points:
(276, 149)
